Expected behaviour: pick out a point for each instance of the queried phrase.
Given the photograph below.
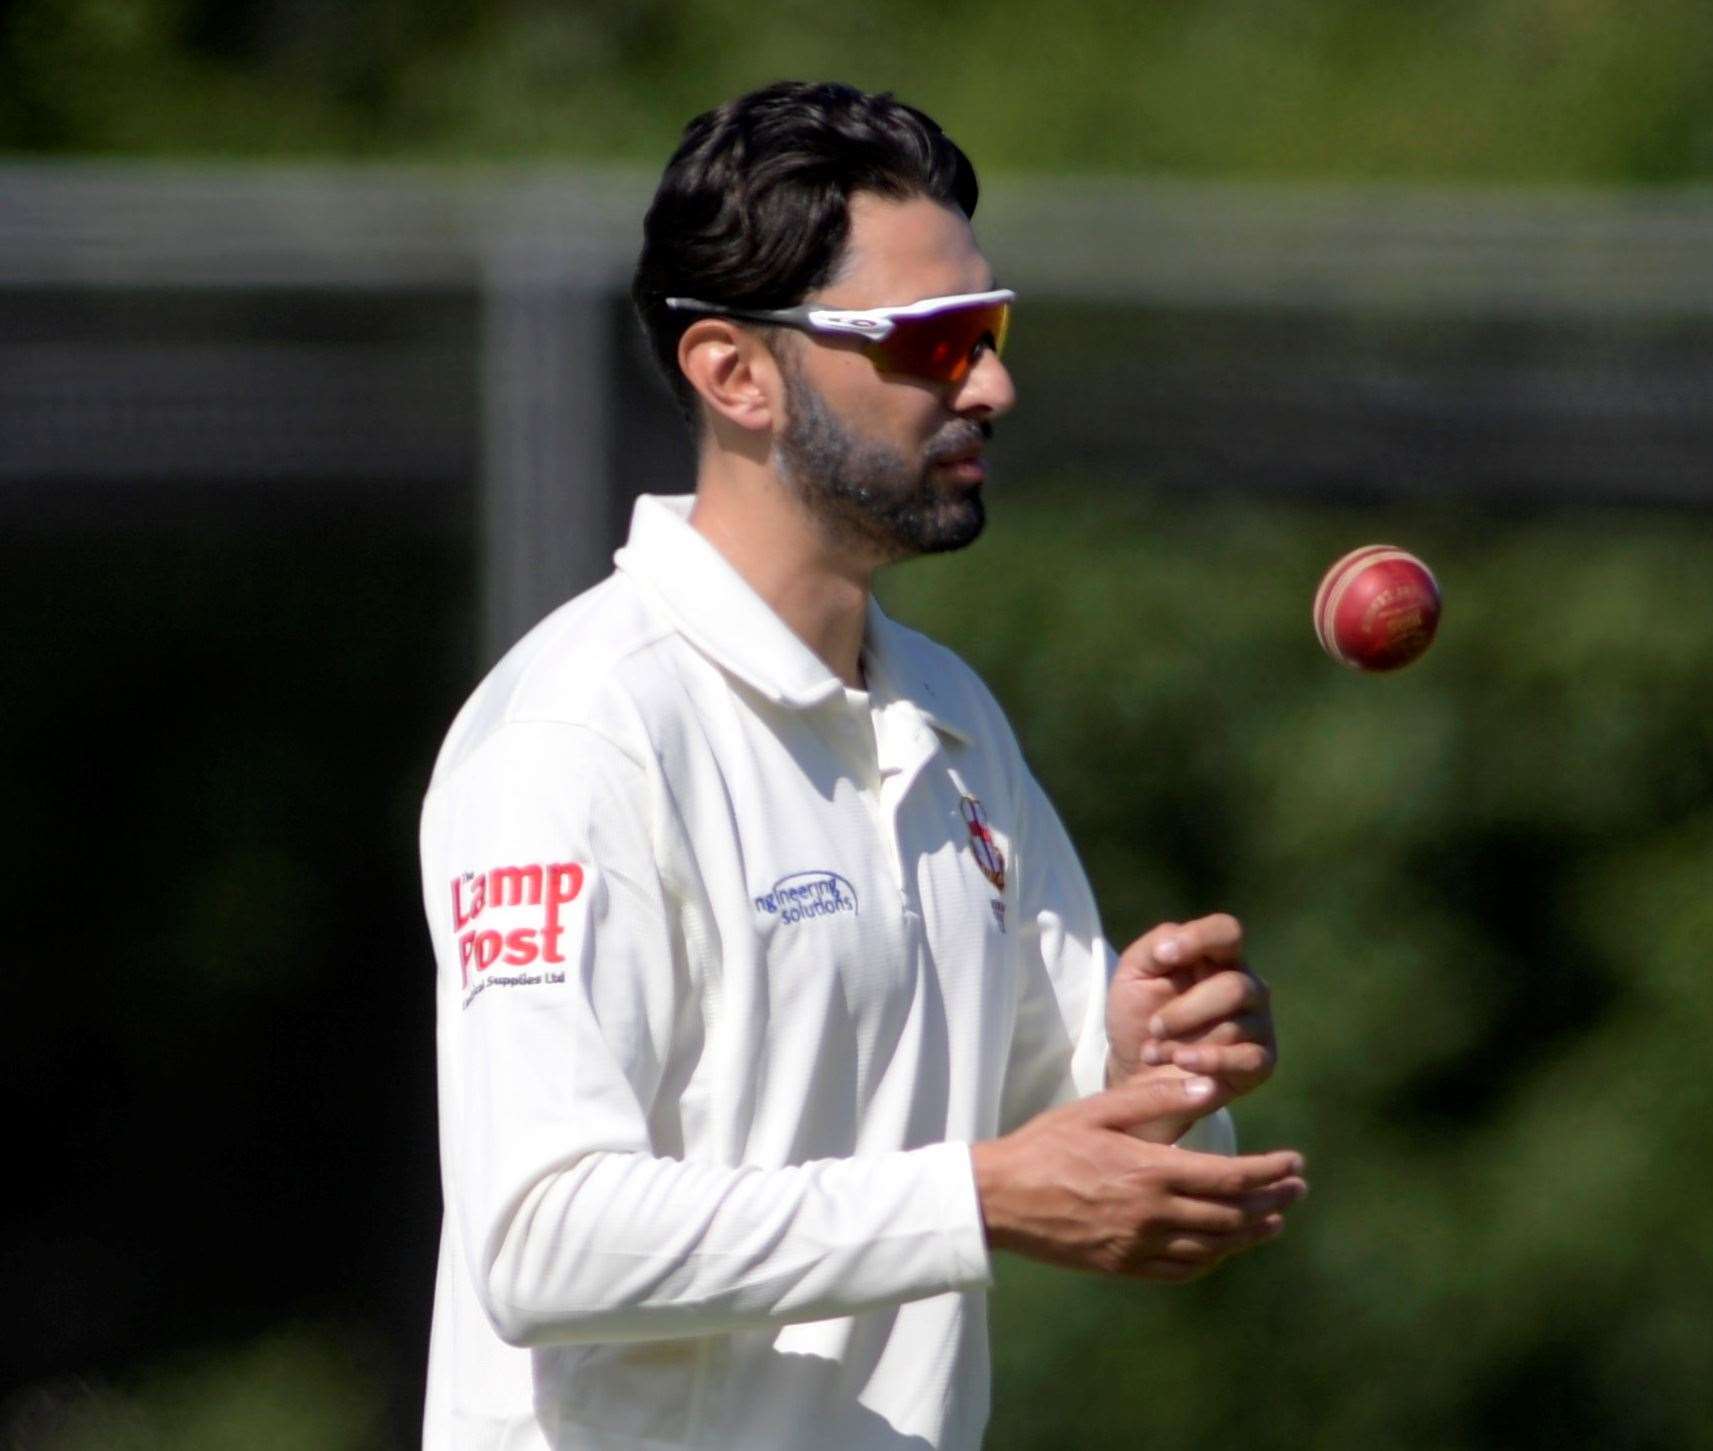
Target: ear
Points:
(733, 371)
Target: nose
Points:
(987, 389)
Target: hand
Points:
(1075, 1187)
(1183, 999)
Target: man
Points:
(772, 997)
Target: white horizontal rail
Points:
(111, 224)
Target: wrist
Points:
(988, 1164)
(1118, 1070)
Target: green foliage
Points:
(217, 1030)
(1479, 888)
(300, 1389)
(1484, 90)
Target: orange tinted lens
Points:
(942, 345)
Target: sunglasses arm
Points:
(814, 319)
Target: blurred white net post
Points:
(553, 257)
(546, 507)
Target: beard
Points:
(870, 496)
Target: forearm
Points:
(631, 1247)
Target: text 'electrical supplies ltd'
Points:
(805, 895)
(547, 887)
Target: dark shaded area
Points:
(1504, 885)
(370, 396)
(1372, 406)
(219, 1042)
(1550, 1396)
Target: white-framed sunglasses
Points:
(938, 338)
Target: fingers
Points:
(1244, 1028)
(1212, 1248)
(1241, 1065)
(1075, 1186)
(1142, 1100)
(1234, 1216)
(1196, 1232)
(1183, 998)
(1188, 1256)
(1215, 1176)
(1173, 947)
(1230, 994)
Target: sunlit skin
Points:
(897, 252)
(1095, 1184)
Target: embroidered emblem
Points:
(802, 895)
(986, 850)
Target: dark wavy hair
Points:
(753, 208)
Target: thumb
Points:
(1164, 1095)
(1139, 960)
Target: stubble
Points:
(872, 497)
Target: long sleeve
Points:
(567, 1000)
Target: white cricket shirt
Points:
(733, 965)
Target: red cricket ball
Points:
(1377, 608)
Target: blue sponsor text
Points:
(802, 895)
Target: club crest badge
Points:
(982, 845)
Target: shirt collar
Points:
(901, 665)
(712, 606)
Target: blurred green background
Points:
(1525, 91)
(1479, 887)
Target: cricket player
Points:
(772, 999)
